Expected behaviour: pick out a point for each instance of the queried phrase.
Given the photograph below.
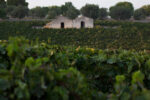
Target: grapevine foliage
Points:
(105, 35)
(32, 70)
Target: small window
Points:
(82, 24)
(62, 25)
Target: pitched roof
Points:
(81, 17)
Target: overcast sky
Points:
(80, 3)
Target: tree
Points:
(72, 13)
(2, 13)
(90, 10)
(2, 4)
(147, 9)
(127, 5)
(39, 12)
(10, 9)
(66, 7)
(20, 12)
(122, 11)
(69, 10)
(2, 9)
(139, 14)
(102, 13)
(17, 2)
(54, 11)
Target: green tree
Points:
(2, 13)
(139, 14)
(72, 13)
(17, 2)
(2, 9)
(20, 12)
(53, 12)
(147, 9)
(103, 13)
(39, 12)
(69, 10)
(10, 9)
(90, 10)
(2, 4)
(127, 5)
(66, 7)
(122, 11)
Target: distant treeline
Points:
(120, 11)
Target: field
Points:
(75, 64)
(127, 35)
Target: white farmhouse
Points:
(64, 22)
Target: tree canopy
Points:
(126, 4)
(2, 13)
(39, 12)
(72, 13)
(19, 12)
(139, 14)
(102, 13)
(17, 2)
(90, 10)
(122, 11)
(2, 4)
(69, 10)
(147, 9)
(54, 11)
(10, 9)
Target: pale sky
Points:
(80, 3)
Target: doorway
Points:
(82, 24)
(62, 25)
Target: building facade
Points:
(64, 22)
(60, 22)
(83, 22)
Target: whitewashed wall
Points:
(89, 23)
(68, 23)
(56, 23)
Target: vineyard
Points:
(103, 63)
(32, 70)
(126, 35)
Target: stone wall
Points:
(68, 23)
(56, 23)
(88, 22)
